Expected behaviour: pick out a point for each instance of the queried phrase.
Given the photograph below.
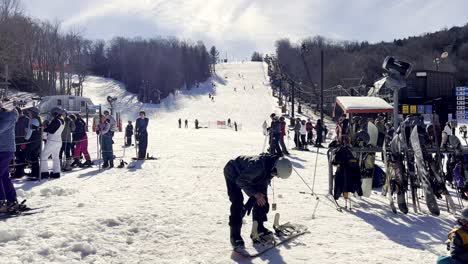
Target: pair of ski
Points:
(262, 244)
(22, 211)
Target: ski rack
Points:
(428, 150)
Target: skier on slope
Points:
(53, 144)
(251, 174)
(141, 133)
(457, 242)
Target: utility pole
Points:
(321, 85)
(292, 103)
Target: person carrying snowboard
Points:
(128, 134)
(251, 174)
(142, 134)
(457, 242)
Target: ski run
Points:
(175, 209)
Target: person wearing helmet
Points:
(34, 141)
(251, 174)
(53, 144)
(457, 242)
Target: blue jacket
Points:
(7, 130)
(141, 125)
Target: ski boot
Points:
(122, 164)
(236, 239)
(76, 163)
(55, 175)
(105, 165)
(263, 231)
(111, 163)
(67, 166)
(87, 163)
(45, 175)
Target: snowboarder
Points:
(8, 119)
(209, 95)
(235, 126)
(128, 134)
(283, 133)
(68, 129)
(251, 174)
(310, 134)
(53, 144)
(180, 123)
(319, 131)
(186, 123)
(196, 123)
(303, 132)
(81, 139)
(104, 133)
(297, 134)
(34, 139)
(141, 132)
(20, 132)
(275, 134)
(457, 242)
(229, 122)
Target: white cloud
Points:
(242, 26)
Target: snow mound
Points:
(84, 248)
(11, 234)
(57, 191)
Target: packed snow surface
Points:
(175, 209)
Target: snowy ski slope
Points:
(175, 209)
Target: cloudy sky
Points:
(240, 27)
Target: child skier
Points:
(128, 134)
(457, 242)
(252, 174)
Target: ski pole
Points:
(315, 169)
(308, 186)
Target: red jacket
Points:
(309, 126)
(283, 129)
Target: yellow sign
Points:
(405, 109)
(413, 109)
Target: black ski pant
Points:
(20, 156)
(33, 152)
(128, 140)
(303, 141)
(274, 145)
(142, 145)
(236, 197)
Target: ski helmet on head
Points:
(283, 168)
(56, 111)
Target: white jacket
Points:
(447, 130)
(303, 130)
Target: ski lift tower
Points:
(395, 79)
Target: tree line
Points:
(41, 58)
(349, 63)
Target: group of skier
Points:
(303, 134)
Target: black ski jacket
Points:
(80, 129)
(348, 174)
(251, 173)
(129, 131)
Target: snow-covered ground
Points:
(175, 209)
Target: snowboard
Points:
(283, 234)
(423, 173)
(367, 171)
